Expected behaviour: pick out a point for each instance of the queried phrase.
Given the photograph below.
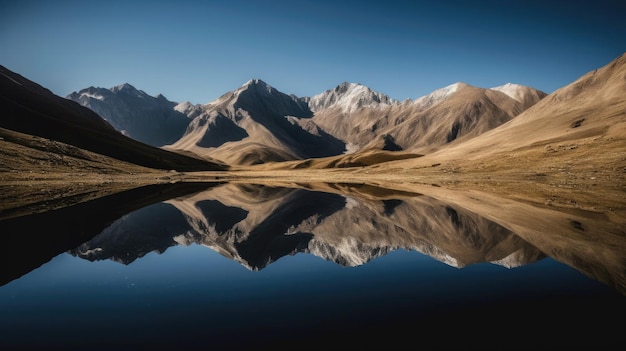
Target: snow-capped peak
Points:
(189, 109)
(349, 97)
(255, 81)
(257, 85)
(123, 87)
(438, 95)
(129, 89)
(183, 106)
(515, 91)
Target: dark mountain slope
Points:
(29, 108)
(151, 120)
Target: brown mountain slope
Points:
(526, 95)
(571, 144)
(38, 174)
(467, 113)
(358, 159)
(451, 114)
(32, 109)
(251, 125)
(593, 106)
(568, 150)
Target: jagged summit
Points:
(126, 87)
(258, 86)
(88, 93)
(151, 120)
(253, 87)
(256, 95)
(345, 86)
(255, 81)
(349, 97)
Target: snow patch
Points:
(348, 97)
(437, 96)
(89, 251)
(511, 261)
(183, 106)
(93, 96)
(515, 91)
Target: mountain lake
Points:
(243, 266)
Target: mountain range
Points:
(512, 138)
(257, 124)
(151, 120)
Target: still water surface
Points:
(253, 267)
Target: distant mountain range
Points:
(258, 124)
(151, 120)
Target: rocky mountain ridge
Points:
(151, 120)
(257, 123)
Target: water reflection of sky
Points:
(190, 290)
(210, 274)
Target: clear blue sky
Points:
(197, 50)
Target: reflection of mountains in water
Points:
(257, 225)
(28, 241)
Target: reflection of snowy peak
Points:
(349, 253)
(349, 97)
(256, 226)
